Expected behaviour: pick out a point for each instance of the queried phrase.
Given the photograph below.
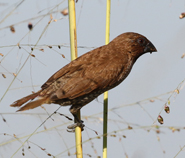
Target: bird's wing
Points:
(88, 80)
(95, 70)
(97, 74)
(72, 67)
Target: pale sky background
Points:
(152, 75)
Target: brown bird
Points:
(84, 79)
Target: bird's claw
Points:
(71, 128)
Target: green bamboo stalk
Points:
(73, 44)
(105, 113)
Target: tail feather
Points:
(21, 101)
(33, 104)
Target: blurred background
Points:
(156, 79)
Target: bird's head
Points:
(134, 44)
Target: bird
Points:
(90, 75)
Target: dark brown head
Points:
(134, 44)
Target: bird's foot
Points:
(71, 128)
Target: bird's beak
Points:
(150, 48)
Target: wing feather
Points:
(90, 72)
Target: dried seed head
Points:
(59, 46)
(64, 12)
(4, 75)
(167, 109)
(50, 47)
(124, 136)
(168, 102)
(160, 119)
(182, 15)
(183, 55)
(96, 132)
(173, 130)
(12, 29)
(41, 50)
(68, 153)
(30, 26)
(14, 74)
(49, 154)
(32, 55)
(152, 100)
(89, 155)
(1, 54)
(63, 55)
(98, 137)
(51, 17)
(19, 45)
(177, 91)
(129, 127)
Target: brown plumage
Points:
(95, 72)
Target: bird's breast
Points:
(126, 70)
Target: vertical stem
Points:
(73, 44)
(107, 29)
(105, 113)
(72, 27)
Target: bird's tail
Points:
(33, 104)
(30, 105)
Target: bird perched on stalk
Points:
(84, 79)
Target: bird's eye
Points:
(141, 41)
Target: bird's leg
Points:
(79, 123)
(77, 119)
